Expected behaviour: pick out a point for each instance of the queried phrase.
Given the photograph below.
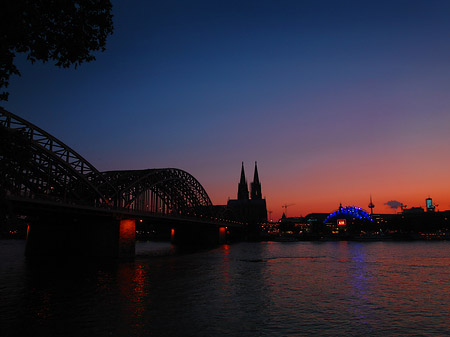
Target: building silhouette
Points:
(248, 207)
(255, 185)
(243, 186)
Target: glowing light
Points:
(354, 212)
(222, 235)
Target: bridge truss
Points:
(36, 165)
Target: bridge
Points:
(94, 213)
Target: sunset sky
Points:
(335, 100)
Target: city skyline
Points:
(335, 101)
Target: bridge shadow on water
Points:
(151, 249)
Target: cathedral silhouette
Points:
(253, 209)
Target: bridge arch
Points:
(167, 190)
(36, 165)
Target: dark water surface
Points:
(246, 289)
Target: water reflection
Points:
(361, 282)
(134, 286)
(225, 269)
(245, 289)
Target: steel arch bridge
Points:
(166, 191)
(34, 165)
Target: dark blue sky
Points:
(334, 99)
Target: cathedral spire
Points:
(255, 177)
(243, 187)
(242, 175)
(256, 185)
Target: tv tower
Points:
(371, 205)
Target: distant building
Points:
(292, 224)
(430, 206)
(314, 222)
(247, 209)
(347, 219)
(413, 210)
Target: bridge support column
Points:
(94, 237)
(222, 235)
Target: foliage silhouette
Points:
(65, 31)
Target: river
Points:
(244, 289)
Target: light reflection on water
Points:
(247, 289)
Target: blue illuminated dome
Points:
(349, 212)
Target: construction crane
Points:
(285, 206)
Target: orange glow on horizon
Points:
(408, 176)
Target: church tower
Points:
(251, 211)
(256, 186)
(242, 187)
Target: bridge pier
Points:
(83, 237)
(222, 235)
